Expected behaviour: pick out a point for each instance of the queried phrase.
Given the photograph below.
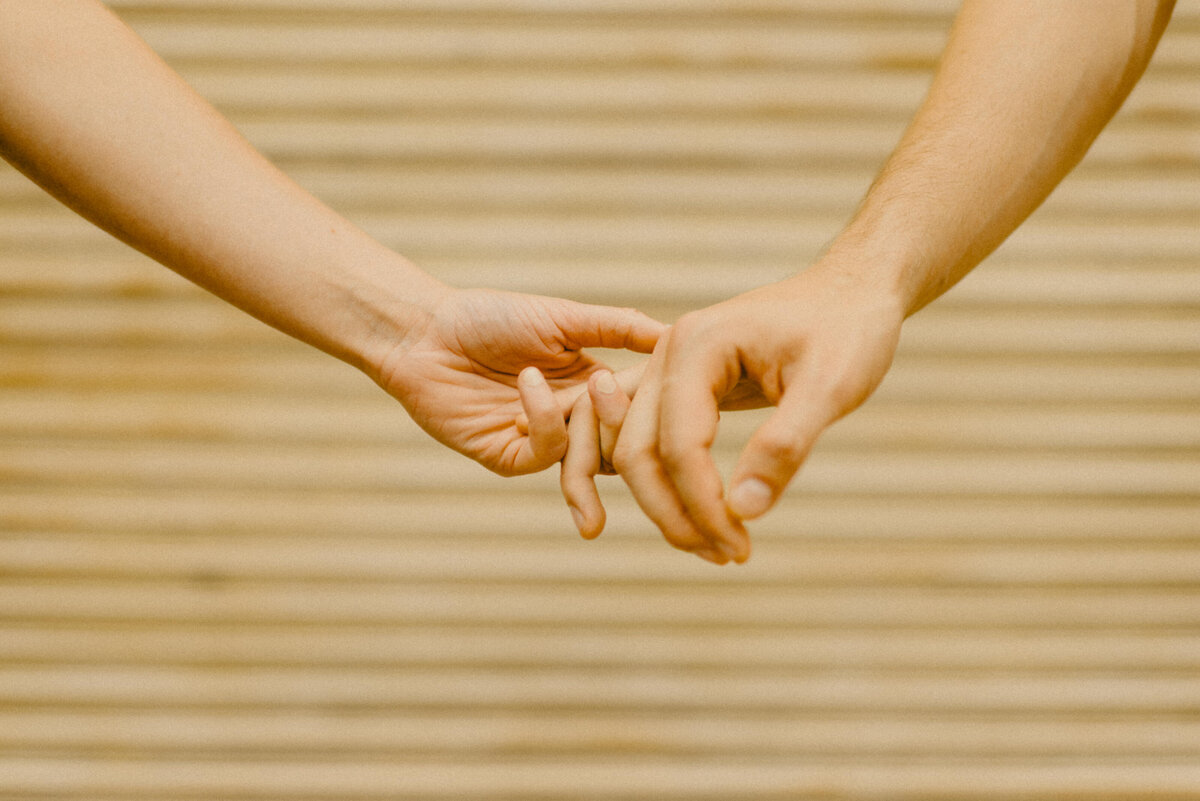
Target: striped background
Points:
(230, 567)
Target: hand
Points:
(457, 373)
(816, 346)
(595, 425)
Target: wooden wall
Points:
(230, 567)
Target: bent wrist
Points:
(391, 302)
(872, 284)
(884, 261)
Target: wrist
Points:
(898, 255)
(879, 280)
(393, 303)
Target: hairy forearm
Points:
(1023, 89)
(96, 118)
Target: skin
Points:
(1023, 88)
(90, 113)
(457, 374)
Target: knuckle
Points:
(844, 397)
(547, 454)
(693, 325)
(782, 447)
(627, 456)
(554, 440)
(674, 458)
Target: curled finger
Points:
(579, 469)
(611, 404)
(696, 375)
(546, 441)
(637, 460)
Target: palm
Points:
(457, 377)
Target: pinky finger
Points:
(611, 404)
(579, 469)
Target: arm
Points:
(1023, 89)
(96, 118)
(89, 112)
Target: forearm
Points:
(1023, 89)
(96, 118)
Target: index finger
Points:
(587, 326)
(639, 464)
(694, 381)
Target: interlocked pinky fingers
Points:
(579, 469)
(611, 405)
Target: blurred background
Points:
(231, 568)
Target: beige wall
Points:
(230, 568)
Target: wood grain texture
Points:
(231, 568)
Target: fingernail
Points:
(730, 550)
(750, 498)
(605, 383)
(531, 376)
(712, 556)
(577, 516)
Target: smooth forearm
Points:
(1023, 89)
(95, 117)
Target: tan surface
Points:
(230, 568)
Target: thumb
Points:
(774, 454)
(587, 326)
